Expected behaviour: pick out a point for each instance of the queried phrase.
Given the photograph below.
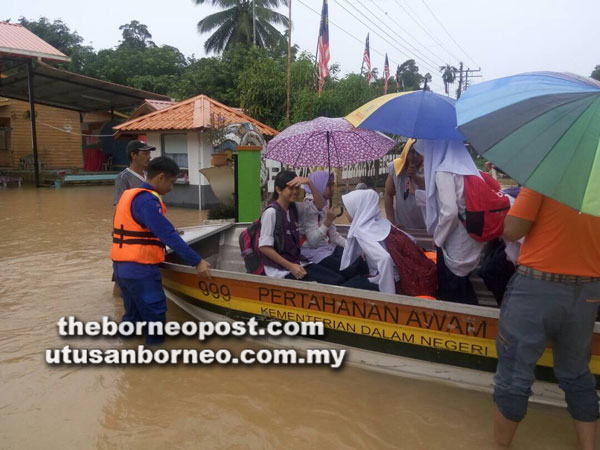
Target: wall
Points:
(56, 149)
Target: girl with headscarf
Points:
(279, 241)
(323, 244)
(367, 234)
(446, 164)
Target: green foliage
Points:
(409, 76)
(233, 25)
(448, 76)
(596, 73)
(221, 211)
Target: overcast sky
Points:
(500, 37)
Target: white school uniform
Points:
(367, 234)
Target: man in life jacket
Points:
(133, 176)
(140, 233)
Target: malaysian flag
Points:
(386, 74)
(323, 46)
(367, 59)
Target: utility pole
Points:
(469, 73)
(289, 64)
(254, 22)
(460, 81)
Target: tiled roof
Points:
(191, 114)
(15, 39)
(150, 106)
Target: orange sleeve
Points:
(526, 205)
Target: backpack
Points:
(418, 274)
(486, 207)
(249, 244)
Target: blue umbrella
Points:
(413, 114)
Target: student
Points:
(553, 297)
(446, 164)
(323, 244)
(133, 176)
(404, 178)
(140, 233)
(367, 234)
(288, 262)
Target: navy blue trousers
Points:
(144, 300)
(334, 261)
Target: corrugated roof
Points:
(15, 39)
(191, 114)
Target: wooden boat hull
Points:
(457, 341)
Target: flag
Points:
(323, 46)
(367, 59)
(398, 76)
(386, 74)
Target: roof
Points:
(17, 40)
(62, 89)
(191, 114)
(150, 106)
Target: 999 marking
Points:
(217, 291)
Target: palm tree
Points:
(448, 75)
(233, 25)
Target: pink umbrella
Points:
(327, 142)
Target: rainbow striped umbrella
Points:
(413, 114)
(542, 129)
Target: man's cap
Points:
(137, 145)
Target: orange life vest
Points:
(131, 241)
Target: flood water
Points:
(54, 260)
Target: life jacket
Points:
(486, 207)
(418, 274)
(131, 241)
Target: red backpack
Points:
(418, 274)
(486, 207)
(249, 244)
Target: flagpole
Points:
(289, 65)
(254, 22)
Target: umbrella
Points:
(543, 130)
(327, 142)
(414, 114)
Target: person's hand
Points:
(203, 268)
(298, 181)
(298, 271)
(330, 216)
(411, 171)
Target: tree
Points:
(408, 76)
(59, 35)
(136, 34)
(448, 76)
(596, 73)
(234, 24)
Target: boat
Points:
(413, 337)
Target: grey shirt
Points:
(406, 212)
(127, 179)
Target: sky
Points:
(500, 37)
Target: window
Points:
(175, 147)
(4, 132)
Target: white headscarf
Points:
(367, 223)
(442, 156)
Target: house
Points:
(183, 132)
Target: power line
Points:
(318, 13)
(422, 25)
(393, 31)
(375, 31)
(453, 40)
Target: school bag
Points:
(486, 207)
(418, 274)
(249, 244)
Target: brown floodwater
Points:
(54, 260)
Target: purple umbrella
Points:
(327, 142)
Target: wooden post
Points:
(36, 167)
(289, 65)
